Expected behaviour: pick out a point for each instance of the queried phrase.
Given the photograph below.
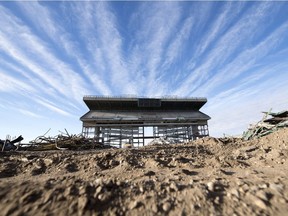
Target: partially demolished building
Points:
(120, 120)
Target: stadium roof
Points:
(143, 103)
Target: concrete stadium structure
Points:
(120, 120)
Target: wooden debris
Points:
(267, 125)
(63, 141)
(8, 144)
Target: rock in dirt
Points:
(166, 206)
(48, 161)
(210, 186)
(278, 188)
(134, 204)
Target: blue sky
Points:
(54, 53)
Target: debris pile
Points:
(164, 141)
(8, 144)
(63, 141)
(267, 125)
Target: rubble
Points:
(63, 141)
(267, 125)
(8, 144)
(163, 141)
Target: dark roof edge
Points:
(208, 117)
(133, 97)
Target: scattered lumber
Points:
(63, 141)
(267, 125)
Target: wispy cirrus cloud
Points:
(46, 20)
(236, 38)
(99, 27)
(10, 84)
(29, 113)
(245, 60)
(227, 13)
(173, 50)
(51, 106)
(151, 39)
(22, 45)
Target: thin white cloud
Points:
(246, 60)
(227, 13)
(44, 19)
(175, 47)
(22, 45)
(14, 48)
(10, 84)
(240, 33)
(158, 23)
(52, 107)
(99, 27)
(29, 113)
(39, 87)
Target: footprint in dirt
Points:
(227, 172)
(72, 167)
(188, 172)
(38, 171)
(184, 160)
(150, 173)
(9, 170)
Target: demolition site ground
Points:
(209, 176)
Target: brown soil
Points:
(206, 177)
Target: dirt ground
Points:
(205, 177)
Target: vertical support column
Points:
(97, 134)
(83, 131)
(185, 131)
(195, 131)
(132, 136)
(120, 138)
(206, 130)
(189, 130)
(143, 135)
(155, 132)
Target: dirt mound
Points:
(209, 176)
